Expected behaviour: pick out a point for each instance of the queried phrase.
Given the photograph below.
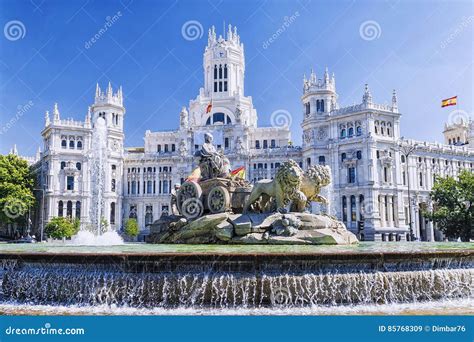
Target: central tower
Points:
(224, 64)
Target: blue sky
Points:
(423, 49)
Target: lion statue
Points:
(291, 184)
(314, 179)
(281, 190)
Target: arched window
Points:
(359, 130)
(351, 132)
(344, 209)
(359, 155)
(63, 165)
(69, 209)
(71, 144)
(78, 209)
(225, 71)
(343, 156)
(449, 141)
(307, 106)
(402, 158)
(113, 185)
(322, 160)
(134, 187)
(318, 106)
(218, 117)
(112, 213)
(220, 71)
(79, 145)
(215, 72)
(63, 143)
(322, 106)
(78, 166)
(60, 208)
(343, 133)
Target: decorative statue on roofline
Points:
(217, 205)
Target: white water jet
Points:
(97, 233)
(87, 238)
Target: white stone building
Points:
(371, 174)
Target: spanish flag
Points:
(194, 176)
(238, 173)
(209, 107)
(452, 101)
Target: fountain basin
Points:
(176, 277)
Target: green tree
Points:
(16, 189)
(61, 227)
(131, 227)
(453, 205)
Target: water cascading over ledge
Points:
(236, 281)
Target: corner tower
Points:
(224, 64)
(319, 95)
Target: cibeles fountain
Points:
(229, 247)
(218, 205)
(96, 232)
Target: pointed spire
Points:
(229, 33)
(367, 98)
(87, 122)
(312, 77)
(97, 91)
(56, 113)
(47, 122)
(109, 90)
(326, 76)
(394, 101)
(14, 151)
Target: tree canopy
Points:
(454, 205)
(61, 227)
(16, 189)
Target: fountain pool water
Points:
(87, 238)
(373, 278)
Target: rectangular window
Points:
(173, 147)
(215, 87)
(225, 85)
(158, 148)
(112, 186)
(273, 143)
(352, 175)
(265, 144)
(257, 144)
(166, 148)
(70, 183)
(226, 143)
(220, 86)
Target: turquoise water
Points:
(137, 248)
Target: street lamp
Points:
(406, 150)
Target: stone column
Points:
(430, 228)
(389, 211)
(383, 219)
